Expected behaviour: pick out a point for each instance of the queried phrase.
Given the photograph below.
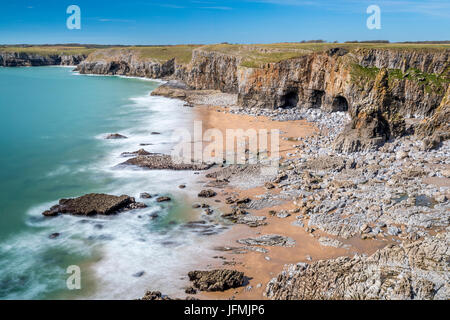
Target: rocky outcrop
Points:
(22, 59)
(418, 270)
(268, 240)
(216, 280)
(93, 204)
(125, 62)
(380, 88)
(163, 162)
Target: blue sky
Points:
(210, 21)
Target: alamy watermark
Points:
(73, 282)
(374, 20)
(74, 20)
(234, 146)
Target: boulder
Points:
(140, 152)
(114, 136)
(268, 240)
(93, 204)
(216, 280)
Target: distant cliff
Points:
(23, 59)
(388, 91)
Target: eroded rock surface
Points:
(417, 270)
(93, 204)
(216, 280)
(269, 240)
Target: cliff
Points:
(389, 91)
(24, 59)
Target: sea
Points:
(53, 124)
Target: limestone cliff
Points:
(379, 87)
(23, 59)
(125, 62)
(417, 270)
(387, 91)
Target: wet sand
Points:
(261, 267)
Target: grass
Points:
(360, 73)
(251, 55)
(257, 55)
(432, 82)
(49, 50)
(181, 53)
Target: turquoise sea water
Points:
(52, 128)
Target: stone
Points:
(207, 193)
(92, 204)
(114, 136)
(163, 199)
(162, 162)
(216, 280)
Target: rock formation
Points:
(93, 204)
(22, 59)
(216, 280)
(380, 88)
(417, 270)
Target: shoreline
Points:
(312, 244)
(396, 195)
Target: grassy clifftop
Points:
(256, 55)
(49, 50)
(253, 55)
(181, 53)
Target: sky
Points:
(141, 22)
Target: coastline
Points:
(301, 142)
(312, 244)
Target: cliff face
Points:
(380, 88)
(126, 63)
(418, 270)
(22, 59)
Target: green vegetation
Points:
(251, 55)
(432, 82)
(360, 73)
(48, 50)
(257, 55)
(181, 53)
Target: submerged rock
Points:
(417, 270)
(93, 204)
(216, 280)
(163, 199)
(140, 152)
(145, 195)
(155, 295)
(113, 136)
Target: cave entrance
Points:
(317, 98)
(290, 100)
(339, 104)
